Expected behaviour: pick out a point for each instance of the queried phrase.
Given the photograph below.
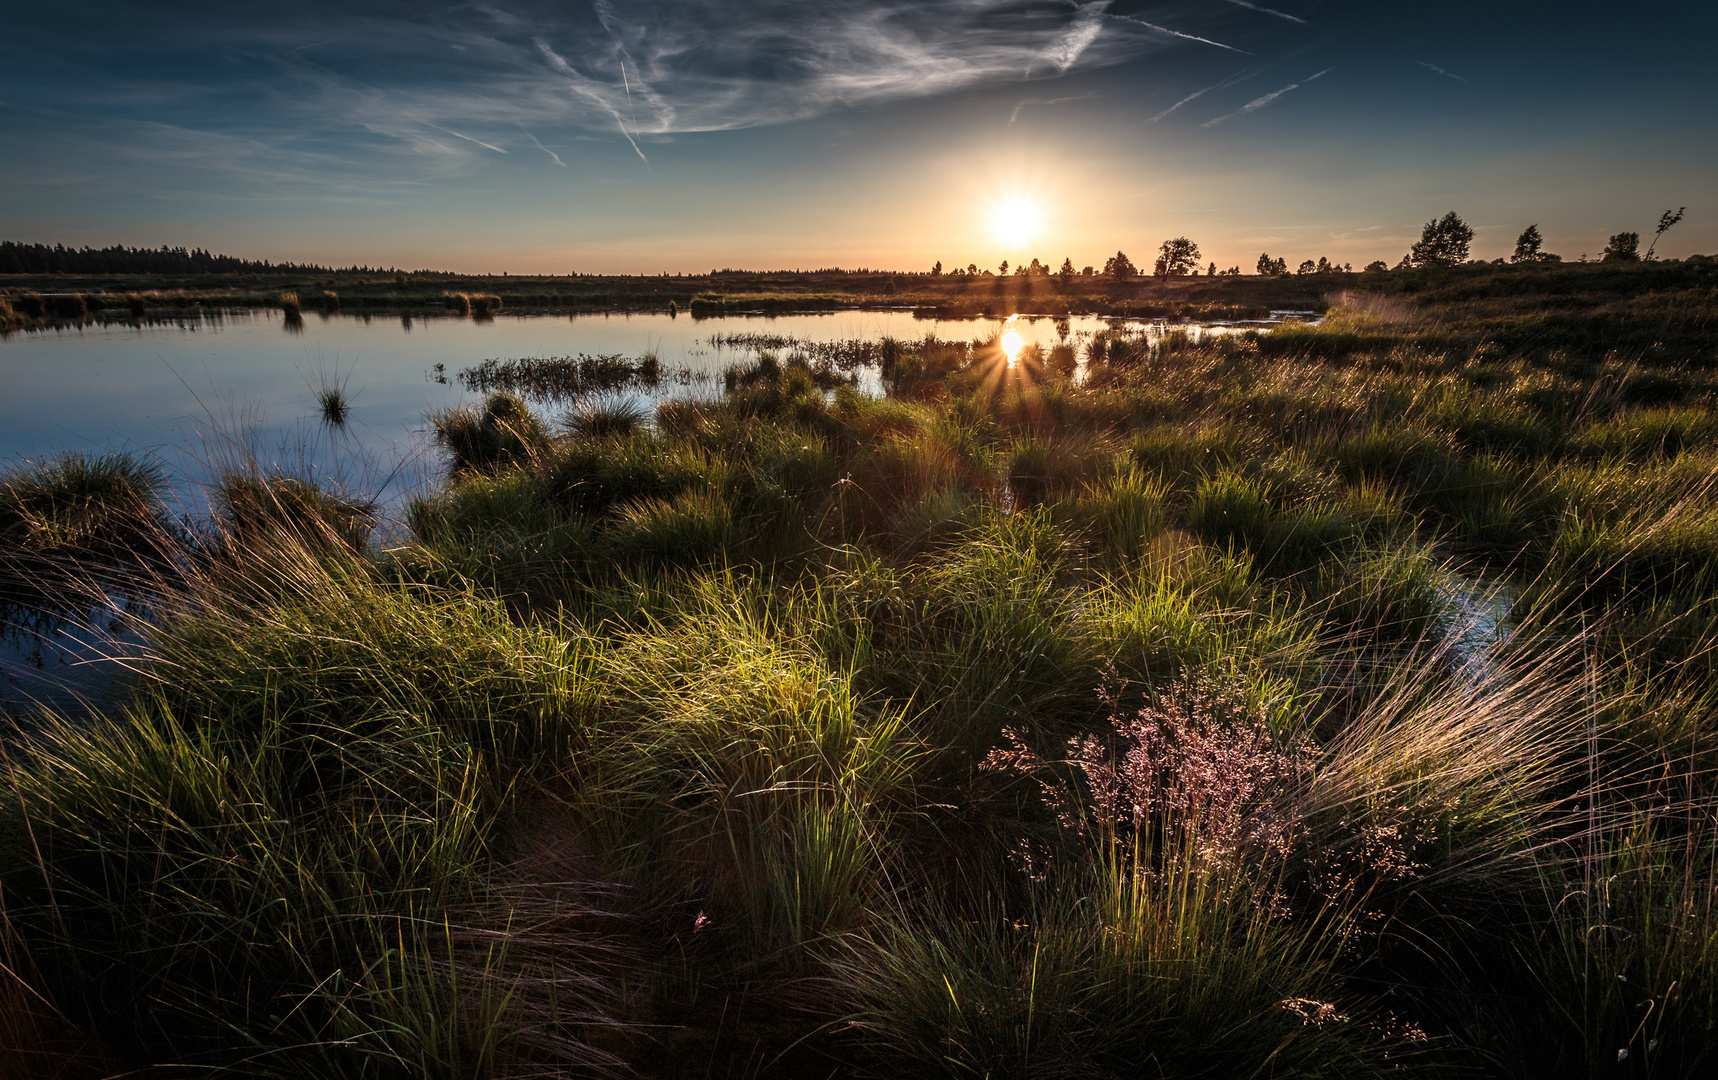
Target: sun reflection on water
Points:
(1011, 340)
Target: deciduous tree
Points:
(1624, 247)
(1120, 267)
(1665, 221)
(1443, 242)
(1527, 245)
(1176, 258)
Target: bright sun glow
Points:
(1016, 222)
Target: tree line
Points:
(1443, 242)
(16, 258)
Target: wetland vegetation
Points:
(1331, 701)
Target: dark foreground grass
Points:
(1336, 703)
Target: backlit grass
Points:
(1331, 702)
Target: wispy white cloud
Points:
(1260, 102)
(440, 91)
(1088, 23)
(714, 66)
(1197, 94)
(1439, 70)
(1270, 11)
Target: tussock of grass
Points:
(1104, 975)
(78, 530)
(595, 419)
(257, 510)
(503, 432)
(77, 498)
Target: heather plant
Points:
(1192, 774)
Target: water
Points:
(1475, 621)
(67, 665)
(194, 393)
(239, 387)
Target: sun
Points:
(1016, 222)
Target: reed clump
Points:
(334, 405)
(78, 498)
(333, 401)
(562, 378)
(473, 305)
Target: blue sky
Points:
(616, 136)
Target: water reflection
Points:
(179, 383)
(1011, 341)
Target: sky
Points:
(647, 136)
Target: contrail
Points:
(1439, 70)
(467, 138)
(1259, 103)
(576, 81)
(630, 107)
(545, 149)
(1179, 34)
(1230, 81)
(1270, 11)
